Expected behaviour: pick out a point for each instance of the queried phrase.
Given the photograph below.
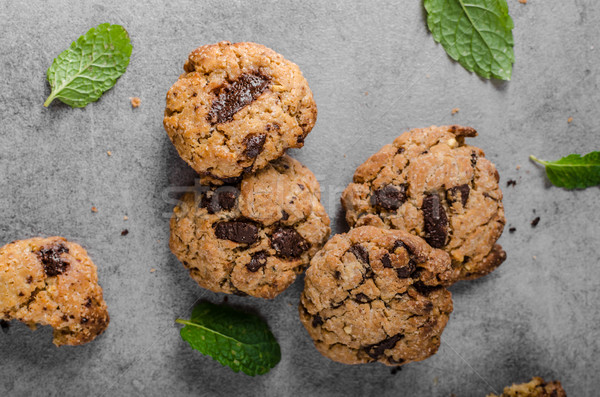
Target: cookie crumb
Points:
(518, 167)
(512, 230)
(366, 93)
(535, 222)
(570, 120)
(125, 232)
(523, 1)
(455, 110)
(152, 270)
(109, 153)
(135, 101)
(534, 257)
(94, 209)
(125, 218)
(511, 182)
(427, 76)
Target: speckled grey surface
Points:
(375, 71)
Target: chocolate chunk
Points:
(401, 244)
(406, 271)
(512, 230)
(458, 192)
(258, 260)
(386, 261)
(389, 197)
(362, 298)
(284, 215)
(29, 279)
(51, 260)
(240, 232)
(436, 221)
(288, 242)
(376, 350)
(360, 253)
(254, 145)
(4, 325)
(125, 232)
(223, 198)
(317, 320)
(337, 274)
(88, 303)
(535, 222)
(425, 289)
(235, 96)
(511, 182)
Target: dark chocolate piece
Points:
(238, 231)
(436, 220)
(288, 242)
(235, 96)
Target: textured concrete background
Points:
(375, 71)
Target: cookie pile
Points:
(426, 212)
(256, 220)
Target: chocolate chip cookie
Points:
(377, 295)
(430, 183)
(52, 281)
(253, 237)
(537, 387)
(237, 107)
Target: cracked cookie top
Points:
(537, 387)
(237, 107)
(430, 183)
(52, 281)
(253, 237)
(377, 295)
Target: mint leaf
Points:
(573, 171)
(241, 341)
(476, 33)
(91, 66)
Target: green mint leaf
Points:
(241, 341)
(573, 171)
(476, 33)
(91, 66)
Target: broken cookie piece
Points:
(377, 295)
(52, 281)
(537, 387)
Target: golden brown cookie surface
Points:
(537, 387)
(430, 183)
(52, 281)
(255, 237)
(376, 295)
(237, 107)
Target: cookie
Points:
(52, 281)
(254, 237)
(377, 295)
(537, 387)
(430, 183)
(237, 107)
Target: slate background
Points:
(375, 71)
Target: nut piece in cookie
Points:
(52, 281)
(430, 183)
(236, 108)
(537, 387)
(377, 295)
(254, 237)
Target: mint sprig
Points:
(239, 340)
(573, 171)
(90, 66)
(476, 33)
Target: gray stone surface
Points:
(375, 71)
